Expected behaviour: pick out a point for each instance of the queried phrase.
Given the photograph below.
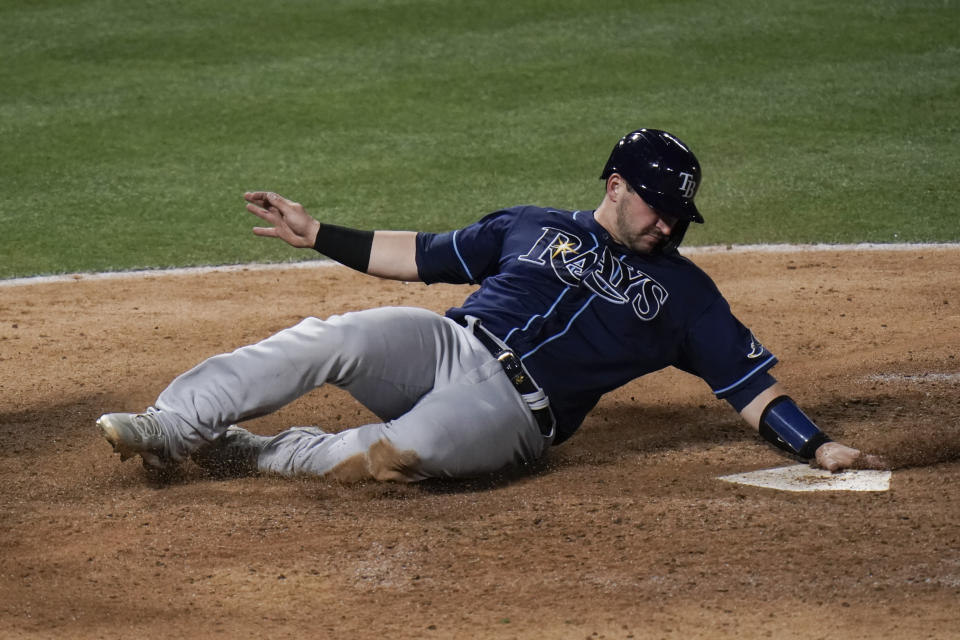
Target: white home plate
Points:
(801, 477)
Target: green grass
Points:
(130, 130)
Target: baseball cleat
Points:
(235, 453)
(134, 434)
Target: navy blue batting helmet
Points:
(661, 169)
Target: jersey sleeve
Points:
(723, 352)
(467, 255)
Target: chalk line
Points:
(313, 264)
(907, 378)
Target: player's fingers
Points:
(276, 200)
(834, 456)
(258, 198)
(830, 463)
(283, 205)
(270, 215)
(266, 232)
(839, 459)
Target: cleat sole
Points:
(110, 432)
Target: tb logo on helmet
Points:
(688, 185)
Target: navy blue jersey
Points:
(585, 314)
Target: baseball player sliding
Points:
(571, 305)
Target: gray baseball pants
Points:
(446, 405)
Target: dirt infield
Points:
(622, 532)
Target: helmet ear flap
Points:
(675, 237)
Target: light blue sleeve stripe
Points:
(456, 250)
(759, 367)
(565, 329)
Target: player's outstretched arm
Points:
(781, 422)
(386, 254)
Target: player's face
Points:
(640, 227)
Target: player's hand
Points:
(834, 456)
(291, 222)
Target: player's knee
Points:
(382, 462)
(390, 464)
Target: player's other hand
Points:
(834, 456)
(291, 222)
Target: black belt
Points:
(519, 377)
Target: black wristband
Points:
(349, 247)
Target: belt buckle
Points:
(510, 363)
(517, 375)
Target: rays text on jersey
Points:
(605, 274)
